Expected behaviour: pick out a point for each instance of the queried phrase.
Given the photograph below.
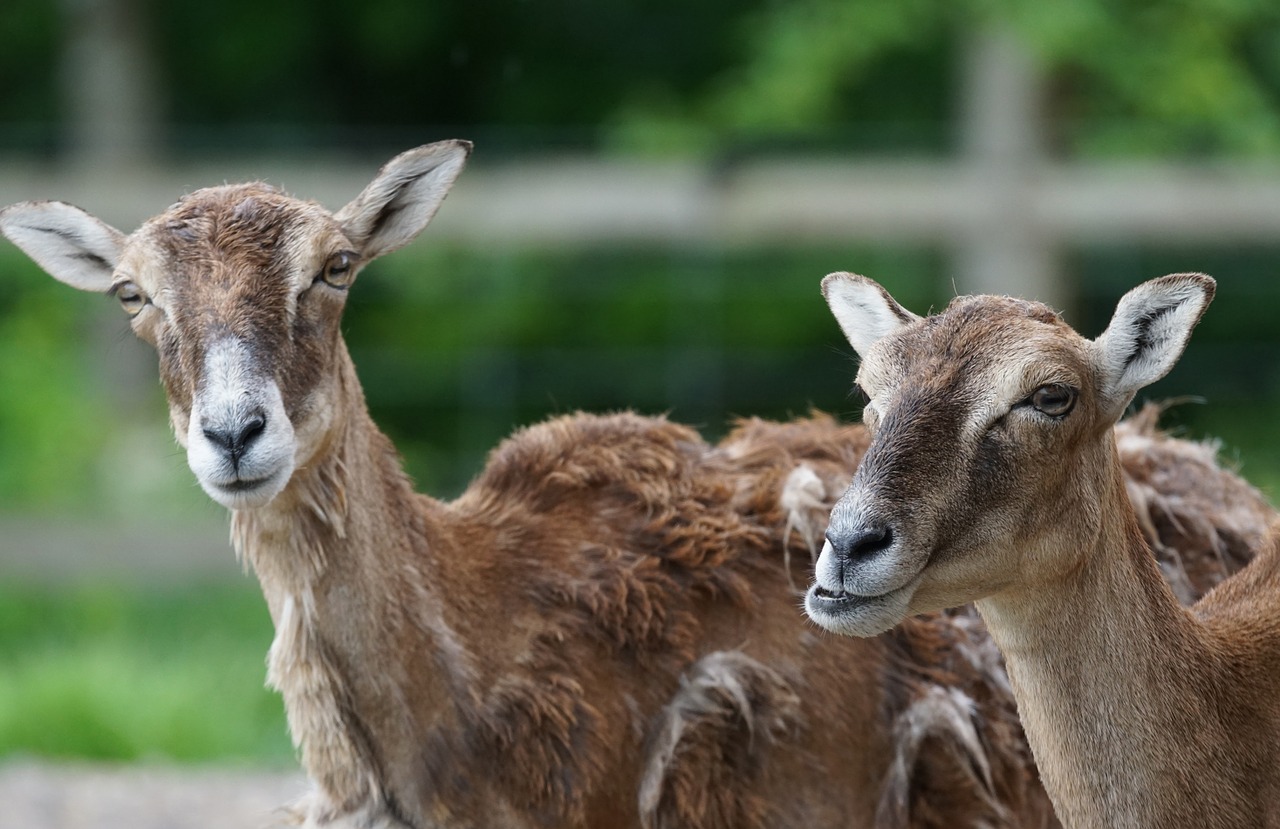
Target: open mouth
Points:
(834, 599)
(853, 615)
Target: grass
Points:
(125, 675)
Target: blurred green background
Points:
(463, 337)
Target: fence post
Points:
(1003, 247)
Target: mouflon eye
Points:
(131, 297)
(1055, 399)
(339, 270)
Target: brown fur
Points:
(606, 541)
(1141, 713)
(601, 631)
(704, 765)
(1202, 525)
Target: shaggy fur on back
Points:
(1203, 524)
(635, 553)
(679, 546)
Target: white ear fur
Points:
(1148, 333)
(72, 246)
(866, 312)
(402, 198)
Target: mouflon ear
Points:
(402, 198)
(1148, 333)
(71, 245)
(865, 310)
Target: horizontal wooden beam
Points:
(588, 200)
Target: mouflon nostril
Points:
(863, 542)
(236, 439)
(252, 428)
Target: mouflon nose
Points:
(234, 439)
(860, 543)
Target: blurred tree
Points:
(1173, 76)
(1134, 76)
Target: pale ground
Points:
(44, 795)
(36, 795)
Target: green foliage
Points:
(48, 434)
(1134, 77)
(804, 59)
(127, 675)
(1173, 76)
(1130, 77)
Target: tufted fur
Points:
(603, 630)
